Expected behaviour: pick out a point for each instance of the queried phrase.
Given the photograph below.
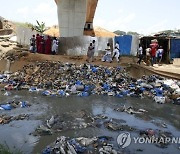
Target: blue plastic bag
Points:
(86, 88)
(94, 69)
(158, 92)
(119, 95)
(45, 93)
(77, 146)
(46, 151)
(23, 104)
(118, 68)
(106, 87)
(62, 93)
(6, 107)
(84, 94)
(78, 82)
(108, 72)
(32, 89)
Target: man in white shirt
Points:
(116, 53)
(140, 54)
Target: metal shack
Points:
(171, 46)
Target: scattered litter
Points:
(14, 104)
(81, 145)
(64, 79)
(5, 119)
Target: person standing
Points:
(154, 46)
(33, 44)
(89, 53)
(37, 42)
(93, 50)
(41, 45)
(140, 54)
(48, 45)
(160, 54)
(54, 46)
(117, 45)
(116, 53)
(148, 56)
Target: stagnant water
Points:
(17, 133)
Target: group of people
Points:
(154, 53)
(47, 45)
(108, 56)
(43, 44)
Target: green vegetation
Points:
(4, 149)
(40, 27)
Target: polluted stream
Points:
(52, 107)
(20, 133)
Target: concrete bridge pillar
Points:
(76, 17)
(71, 17)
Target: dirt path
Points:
(31, 58)
(170, 71)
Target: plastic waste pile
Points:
(76, 120)
(14, 104)
(158, 134)
(81, 145)
(64, 79)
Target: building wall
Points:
(175, 48)
(24, 34)
(128, 44)
(134, 45)
(79, 45)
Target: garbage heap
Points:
(64, 79)
(81, 145)
(101, 144)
